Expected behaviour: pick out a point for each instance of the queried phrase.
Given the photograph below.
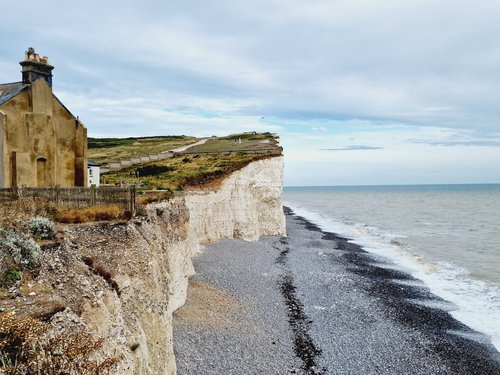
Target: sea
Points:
(448, 236)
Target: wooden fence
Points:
(117, 165)
(76, 197)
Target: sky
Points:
(361, 92)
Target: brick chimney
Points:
(36, 67)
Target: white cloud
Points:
(133, 116)
(326, 74)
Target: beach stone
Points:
(313, 303)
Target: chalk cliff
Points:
(149, 258)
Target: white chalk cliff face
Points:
(247, 205)
(151, 260)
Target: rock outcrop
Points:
(136, 274)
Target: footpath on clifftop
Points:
(313, 303)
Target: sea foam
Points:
(476, 302)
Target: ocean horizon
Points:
(394, 185)
(446, 235)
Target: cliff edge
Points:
(121, 282)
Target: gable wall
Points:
(2, 141)
(44, 137)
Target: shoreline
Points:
(333, 307)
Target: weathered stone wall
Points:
(2, 146)
(151, 260)
(50, 145)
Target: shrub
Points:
(41, 227)
(17, 253)
(25, 348)
(153, 170)
(21, 249)
(10, 276)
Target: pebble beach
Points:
(314, 303)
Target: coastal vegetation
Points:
(102, 150)
(28, 346)
(27, 225)
(183, 171)
(54, 303)
(239, 142)
(29, 342)
(93, 213)
(200, 166)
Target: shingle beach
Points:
(313, 303)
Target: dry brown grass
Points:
(25, 348)
(21, 210)
(154, 196)
(16, 212)
(89, 214)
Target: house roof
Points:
(9, 90)
(90, 163)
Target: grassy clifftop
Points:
(101, 150)
(239, 142)
(197, 166)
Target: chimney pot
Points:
(35, 67)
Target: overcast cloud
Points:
(408, 90)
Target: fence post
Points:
(132, 199)
(56, 197)
(93, 195)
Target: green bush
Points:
(10, 276)
(41, 227)
(18, 252)
(153, 170)
(21, 249)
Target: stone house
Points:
(41, 142)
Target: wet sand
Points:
(313, 303)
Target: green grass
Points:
(102, 150)
(183, 171)
(203, 165)
(249, 141)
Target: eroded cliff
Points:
(122, 282)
